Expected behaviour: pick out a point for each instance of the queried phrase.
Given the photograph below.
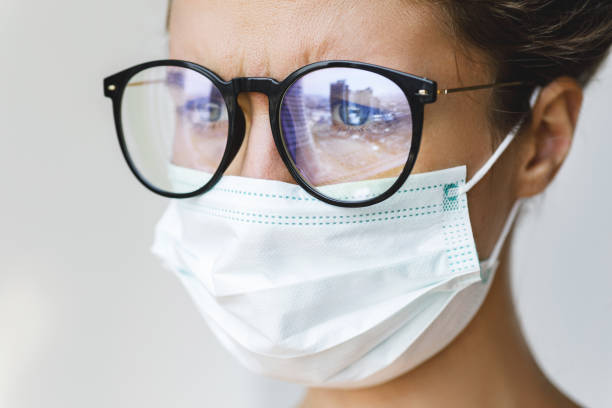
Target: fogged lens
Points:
(174, 121)
(348, 132)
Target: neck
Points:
(488, 364)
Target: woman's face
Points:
(272, 38)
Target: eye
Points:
(351, 113)
(202, 110)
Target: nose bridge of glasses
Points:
(254, 84)
(264, 85)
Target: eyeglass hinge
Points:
(427, 95)
(109, 87)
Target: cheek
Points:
(455, 133)
(490, 202)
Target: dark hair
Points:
(531, 40)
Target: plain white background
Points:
(88, 318)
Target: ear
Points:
(546, 141)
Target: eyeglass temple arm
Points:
(151, 81)
(439, 92)
(486, 86)
(422, 92)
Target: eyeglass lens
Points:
(344, 126)
(174, 117)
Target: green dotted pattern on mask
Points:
(306, 198)
(450, 203)
(312, 220)
(451, 200)
(460, 251)
(346, 198)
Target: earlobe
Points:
(549, 136)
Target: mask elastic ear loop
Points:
(500, 149)
(488, 266)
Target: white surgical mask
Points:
(325, 296)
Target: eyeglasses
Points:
(348, 132)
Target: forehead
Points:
(275, 37)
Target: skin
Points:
(489, 363)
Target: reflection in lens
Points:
(174, 116)
(348, 131)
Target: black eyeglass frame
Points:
(418, 91)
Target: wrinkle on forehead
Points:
(275, 37)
